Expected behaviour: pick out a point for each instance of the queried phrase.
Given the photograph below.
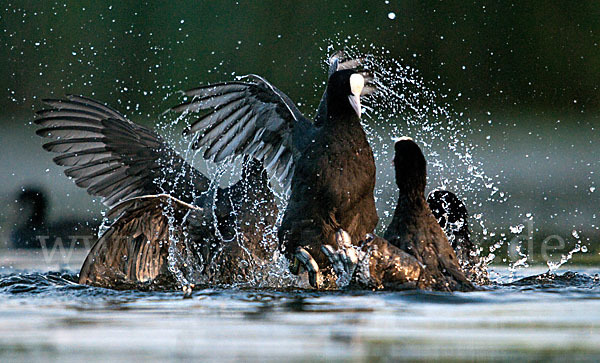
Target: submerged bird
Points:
(147, 186)
(451, 214)
(328, 165)
(373, 264)
(34, 230)
(414, 228)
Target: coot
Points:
(34, 230)
(415, 252)
(160, 242)
(414, 228)
(328, 165)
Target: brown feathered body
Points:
(415, 230)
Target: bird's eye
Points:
(357, 83)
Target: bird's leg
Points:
(345, 259)
(187, 291)
(303, 259)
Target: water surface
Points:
(44, 314)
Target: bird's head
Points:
(410, 166)
(344, 89)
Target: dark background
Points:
(498, 54)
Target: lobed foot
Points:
(345, 259)
(303, 259)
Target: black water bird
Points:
(169, 225)
(452, 215)
(414, 228)
(327, 166)
(34, 230)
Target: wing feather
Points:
(249, 117)
(252, 117)
(111, 156)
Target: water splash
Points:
(554, 266)
(405, 104)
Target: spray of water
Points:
(406, 105)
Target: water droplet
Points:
(517, 229)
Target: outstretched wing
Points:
(134, 251)
(246, 118)
(252, 117)
(111, 156)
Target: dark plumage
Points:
(334, 179)
(451, 213)
(415, 230)
(327, 165)
(166, 230)
(35, 231)
(111, 156)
